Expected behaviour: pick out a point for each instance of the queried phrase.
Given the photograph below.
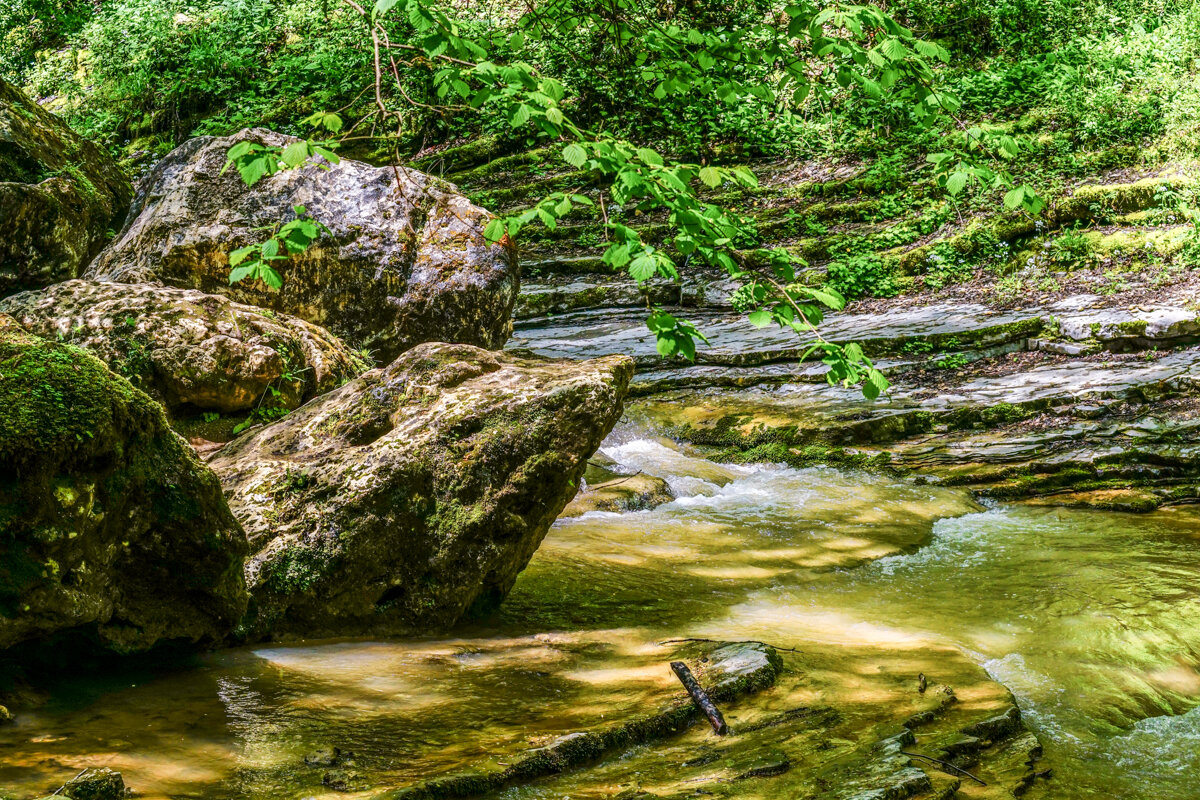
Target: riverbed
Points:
(1089, 618)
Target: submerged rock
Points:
(726, 671)
(403, 263)
(185, 347)
(110, 528)
(97, 783)
(59, 196)
(416, 493)
(627, 493)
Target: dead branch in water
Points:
(726, 641)
(959, 770)
(700, 697)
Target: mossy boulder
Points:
(415, 494)
(111, 530)
(405, 260)
(188, 348)
(60, 195)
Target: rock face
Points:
(404, 263)
(185, 347)
(416, 493)
(59, 196)
(110, 527)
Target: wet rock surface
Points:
(735, 343)
(606, 488)
(59, 196)
(780, 744)
(404, 262)
(725, 671)
(1055, 401)
(114, 532)
(417, 492)
(187, 348)
(98, 783)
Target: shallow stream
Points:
(1091, 619)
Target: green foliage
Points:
(254, 261)
(260, 415)
(946, 266)
(27, 26)
(862, 275)
(644, 106)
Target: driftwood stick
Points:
(700, 697)
(959, 770)
(59, 789)
(727, 641)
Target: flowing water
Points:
(1091, 619)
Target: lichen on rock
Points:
(415, 494)
(111, 529)
(59, 196)
(405, 260)
(185, 347)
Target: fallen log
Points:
(700, 697)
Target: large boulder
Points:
(60, 196)
(111, 530)
(405, 260)
(188, 348)
(415, 494)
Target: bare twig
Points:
(65, 785)
(726, 641)
(947, 764)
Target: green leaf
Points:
(241, 273)
(574, 155)
(829, 296)
(666, 344)
(327, 154)
(271, 278)
(254, 170)
(1014, 197)
(643, 268)
(894, 49)
(384, 6)
(660, 321)
(711, 177)
(925, 48)
(239, 255)
(238, 150)
(875, 385)
(957, 182)
(746, 177)
(295, 154)
(270, 248)
(649, 156)
(519, 116)
(761, 318)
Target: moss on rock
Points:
(60, 196)
(109, 524)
